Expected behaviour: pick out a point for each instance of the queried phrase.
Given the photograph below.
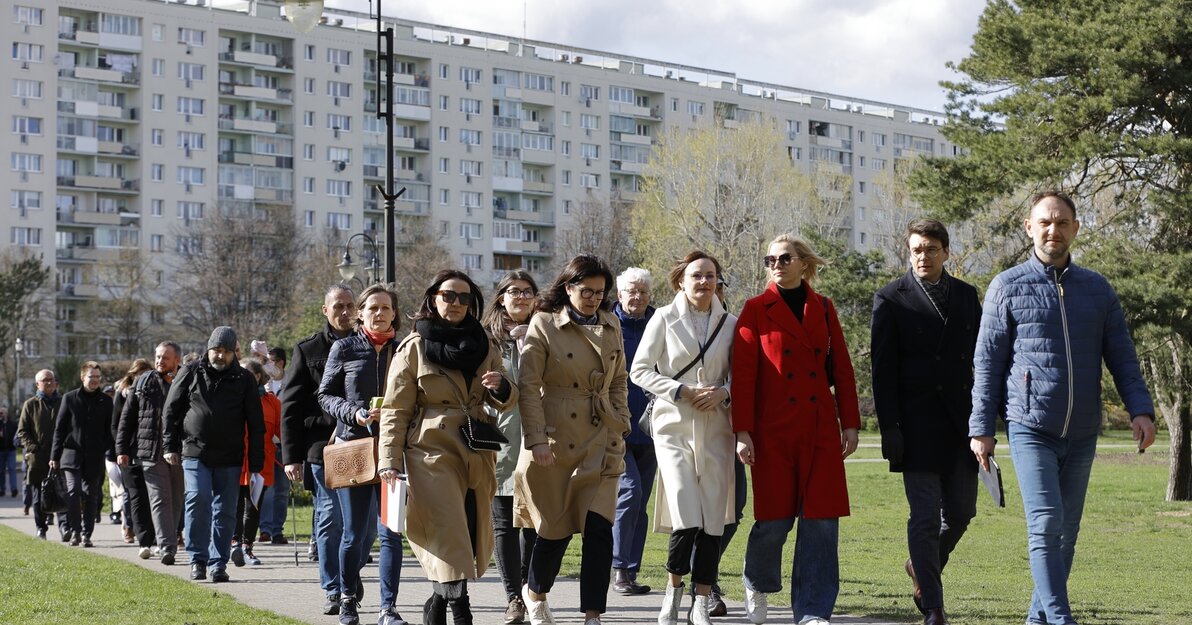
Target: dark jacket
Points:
(1044, 334)
(82, 431)
(305, 426)
(8, 432)
(207, 413)
(36, 430)
(631, 330)
(355, 373)
(138, 432)
(923, 371)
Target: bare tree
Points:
(23, 313)
(601, 227)
(124, 308)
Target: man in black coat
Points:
(82, 435)
(924, 332)
(305, 429)
(210, 407)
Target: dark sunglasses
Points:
(781, 261)
(465, 299)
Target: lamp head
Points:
(304, 14)
(347, 270)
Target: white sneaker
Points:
(144, 553)
(755, 606)
(814, 620)
(537, 611)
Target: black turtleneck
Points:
(795, 298)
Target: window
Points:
(26, 125)
(443, 102)
(564, 88)
(338, 89)
(589, 150)
(620, 94)
(191, 175)
(25, 236)
(444, 165)
(470, 230)
(532, 141)
(156, 207)
(190, 210)
(190, 106)
(565, 118)
(878, 164)
(336, 56)
(444, 134)
(862, 238)
(589, 181)
(28, 15)
(879, 139)
(157, 137)
(565, 148)
(191, 71)
(444, 197)
(22, 161)
(566, 207)
(25, 199)
(589, 92)
(339, 154)
(120, 25)
(695, 108)
(443, 73)
(308, 185)
(192, 140)
(308, 86)
(26, 88)
(591, 122)
(539, 82)
(158, 102)
(566, 177)
(406, 163)
(29, 52)
(308, 219)
(159, 67)
(339, 122)
(468, 136)
(860, 136)
(861, 189)
(157, 172)
(339, 221)
(339, 188)
(159, 32)
(308, 152)
(469, 74)
(188, 244)
(470, 200)
(308, 119)
(308, 52)
(793, 127)
(469, 105)
(861, 213)
(473, 262)
(469, 168)
(192, 37)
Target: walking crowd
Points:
(551, 413)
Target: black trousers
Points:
(248, 517)
(696, 552)
(137, 507)
(83, 495)
(513, 546)
(941, 506)
(596, 560)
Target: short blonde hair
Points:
(811, 261)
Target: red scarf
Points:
(378, 338)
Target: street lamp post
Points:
(18, 349)
(348, 269)
(386, 112)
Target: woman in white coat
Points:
(692, 429)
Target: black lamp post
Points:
(18, 350)
(385, 112)
(348, 269)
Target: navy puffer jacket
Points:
(355, 373)
(1044, 334)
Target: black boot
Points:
(461, 611)
(435, 610)
(624, 584)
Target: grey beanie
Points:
(223, 336)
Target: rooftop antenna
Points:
(525, 11)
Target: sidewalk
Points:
(279, 586)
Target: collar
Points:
(625, 317)
(943, 277)
(331, 335)
(1051, 271)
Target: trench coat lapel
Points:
(780, 314)
(562, 318)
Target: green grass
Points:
(47, 584)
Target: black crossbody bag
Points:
(645, 422)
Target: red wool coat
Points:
(781, 396)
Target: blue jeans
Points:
(1053, 475)
(328, 532)
(360, 507)
(815, 573)
(211, 494)
(631, 523)
(8, 465)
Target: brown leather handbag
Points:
(350, 463)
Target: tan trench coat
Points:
(425, 405)
(573, 383)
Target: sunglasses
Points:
(464, 299)
(780, 261)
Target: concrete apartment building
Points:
(132, 119)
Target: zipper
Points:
(1059, 287)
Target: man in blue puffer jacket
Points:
(1046, 327)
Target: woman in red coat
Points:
(794, 432)
(248, 514)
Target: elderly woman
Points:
(794, 432)
(684, 361)
(506, 319)
(574, 422)
(630, 526)
(355, 373)
(442, 377)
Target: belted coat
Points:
(573, 384)
(782, 397)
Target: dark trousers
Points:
(513, 546)
(941, 506)
(83, 496)
(696, 552)
(41, 519)
(595, 561)
(742, 494)
(137, 510)
(248, 516)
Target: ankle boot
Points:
(461, 610)
(671, 599)
(435, 611)
(698, 615)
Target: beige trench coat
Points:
(695, 449)
(425, 405)
(573, 397)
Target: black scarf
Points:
(463, 347)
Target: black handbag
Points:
(482, 436)
(53, 493)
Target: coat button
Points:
(571, 446)
(569, 354)
(817, 350)
(791, 399)
(813, 398)
(445, 401)
(786, 352)
(575, 385)
(813, 374)
(442, 426)
(790, 376)
(573, 415)
(614, 443)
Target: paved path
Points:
(280, 586)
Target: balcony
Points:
(624, 108)
(101, 74)
(539, 157)
(501, 151)
(90, 182)
(89, 218)
(540, 218)
(70, 143)
(635, 139)
(244, 124)
(628, 167)
(113, 148)
(409, 175)
(411, 111)
(262, 194)
(251, 58)
(538, 187)
(79, 290)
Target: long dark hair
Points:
(496, 318)
(577, 270)
(427, 309)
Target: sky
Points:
(887, 50)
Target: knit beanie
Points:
(223, 336)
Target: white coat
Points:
(695, 448)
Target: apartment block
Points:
(132, 120)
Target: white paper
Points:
(393, 505)
(992, 480)
(256, 485)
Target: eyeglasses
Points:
(928, 252)
(779, 261)
(520, 293)
(587, 293)
(48, 381)
(697, 277)
(464, 299)
(635, 292)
